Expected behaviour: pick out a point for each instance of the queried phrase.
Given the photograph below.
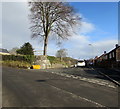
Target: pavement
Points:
(112, 74)
(48, 88)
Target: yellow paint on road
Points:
(36, 66)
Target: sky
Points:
(98, 33)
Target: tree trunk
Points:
(45, 46)
(61, 58)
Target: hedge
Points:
(17, 64)
(27, 58)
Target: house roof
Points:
(114, 49)
(3, 50)
(108, 52)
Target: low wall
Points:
(45, 63)
(42, 61)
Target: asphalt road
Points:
(43, 88)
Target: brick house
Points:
(110, 59)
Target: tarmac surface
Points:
(57, 88)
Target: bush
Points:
(26, 49)
(17, 64)
(66, 61)
(53, 59)
(27, 58)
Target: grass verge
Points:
(17, 64)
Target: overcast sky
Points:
(99, 28)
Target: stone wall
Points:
(45, 63)
(42, 61)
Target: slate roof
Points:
(3, 50)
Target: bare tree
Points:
(52, 18)
(61, 53)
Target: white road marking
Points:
(107, 76)
(111, 78)
(85, 79)
(77, 96)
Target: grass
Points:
(17, 64)
(66, 61)
(53, 59)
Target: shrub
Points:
(26, 49)
(53, 59)
(27, 58)
(17, 64)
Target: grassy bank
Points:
(66, 61)
(17, 64)
(26, 61)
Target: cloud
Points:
(15, 24)
(86, 27)
(82, 26)
(0, 45)
(104, 45)
(16, 33)
(82, 49)
(14, 0)
(78, 46)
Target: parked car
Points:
(80, 63)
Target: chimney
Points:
(104, 52)
(116, 45)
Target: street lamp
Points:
(92, 54)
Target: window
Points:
(113, 54)
(110, 55)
